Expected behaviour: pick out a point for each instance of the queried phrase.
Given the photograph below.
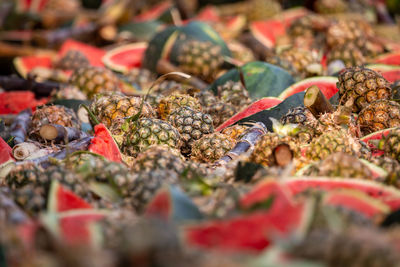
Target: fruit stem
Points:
(59, 133)
(316, 101)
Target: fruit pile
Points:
(169, 133)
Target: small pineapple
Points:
(331, 142)
(340, 165)
(264, 149)
(142, 77)
(344, 31)
(363, 86)
(297, 115)
(391, 144)
(94, 80)
(348, 53)
(284, 64)
(241, 52)
(221, 112)
(307, 26)
(262, 9)
(159, 157)
(212, 147)
(235, 131)
(191, 124)
(172, 102)
(146, 132)
(108, 108)
(68, 92)
(72, 60)
(206, 98)
(203, 59)
(234, 93)
(379, 115)
(55, 114)
(330, 7)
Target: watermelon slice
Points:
(262, 104)
(389, 59)
(24, 65)
(13, 102)
(376, 190)
(356, 201)
(378, 135)
(5, 152)
(103, 144)
(389, 72)
(126, 57)
(326, 84)
(93, 54)
(62, 199)
(251, 232)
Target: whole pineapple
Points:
(206, 98)
(72, 60)
(142, 77)
(392, 166)
(221, 112)
(264, 150)
(202, 59)
(297, 115)
(108, 108)
(340, 165)
(363, 86)
(379, 115)
(191, 124)
(94, 80)
(262, 9)
(330, 7)
(391, 144)
(307, 26)
(348, 53)
(344, 31)
(146, 132)
(55, 114)
(159, 157)
(163, 89)
(235, 131)
(331, 142)
(212, 147)
(234, 93)
(169, 103)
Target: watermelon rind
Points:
(319, 81)
(119, 67)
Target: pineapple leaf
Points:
(91, 115)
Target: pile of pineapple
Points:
(167, 134)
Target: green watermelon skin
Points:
(275, 112)
(262, 79)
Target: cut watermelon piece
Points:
(153, 13)
(389, 59)
(326, 84)
(24, 65)
(170, 203)
(13, 102)
(103, 144)
(262, 104)
(62, 199)
(5, 152)
(252, 233)
(389, 72)
(126, 57)
(357, 201)
(93, 54)
(376, 190)
(378, 135)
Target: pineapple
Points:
(159, 157)
(348, 53)
(307, 26)
(344, 31)
(340, 165)
(142, 77)
(161, 90)
(241, 52)
(264, 149)
(22, 175)
(392, 167)
(297, 115)
(94, 80)
(235, 131)
(234, 93)
(108, 108)
(212, 147)
(284, 64)
(146, 132)
(68, 92)
(202, 59)
(172, 102)
(191, 124)
(391, 144)
(379, 115)
(331, 142)
(262, 9)
(330, 7)
(72, 60)
(363, 86)
(206, 98)
(55, 114)
(221, 112)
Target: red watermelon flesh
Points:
(160, 206)
(389, 59)
(327, 85)
(13, 102)
(268, 31)
(103, 144)
(208, 14)
(5, 152)
(125, 57)
(371, 188)
(252, 232)
(93, 54)
(375, 136)
(356, 201)
(62, 199)
(389, 72)
(260, 105)
(25, 64)
(75, 227)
